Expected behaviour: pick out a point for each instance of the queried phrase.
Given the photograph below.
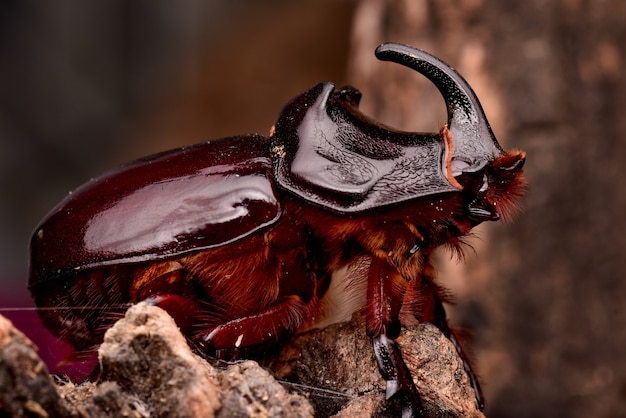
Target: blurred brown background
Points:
(88, 85)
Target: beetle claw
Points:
(392, 388)
(399, 381)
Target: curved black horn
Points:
(473, 141)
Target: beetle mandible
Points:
(249, 240)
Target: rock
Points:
(26, 388)
(103, 400)
(363, 406)
(149, 370)
(250, 391)
(146, 355)
(340, 359)
(333, 366)
(438, 373)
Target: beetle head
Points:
(329, 153)
(491, 178)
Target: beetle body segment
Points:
(161, 206)
(249, 240)
(330, 154)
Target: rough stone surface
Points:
(148, 370)
(361, 406)
(146, 355)
(26, 388)
(438, 373)
(340, 358)
(253, 392)
(102, 400)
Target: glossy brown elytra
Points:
(247, 241)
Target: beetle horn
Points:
(474, 144)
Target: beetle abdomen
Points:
(158, 207)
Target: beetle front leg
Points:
(385, 292)
(279, 321)
(399, 381)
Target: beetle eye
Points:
(457, 167)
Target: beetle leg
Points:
(184, 310)
(164, 285)
(399, 381)
(385, 292)
(270, 325)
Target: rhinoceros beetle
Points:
(249, 240)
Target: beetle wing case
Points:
(187, 199)
(329, 153)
